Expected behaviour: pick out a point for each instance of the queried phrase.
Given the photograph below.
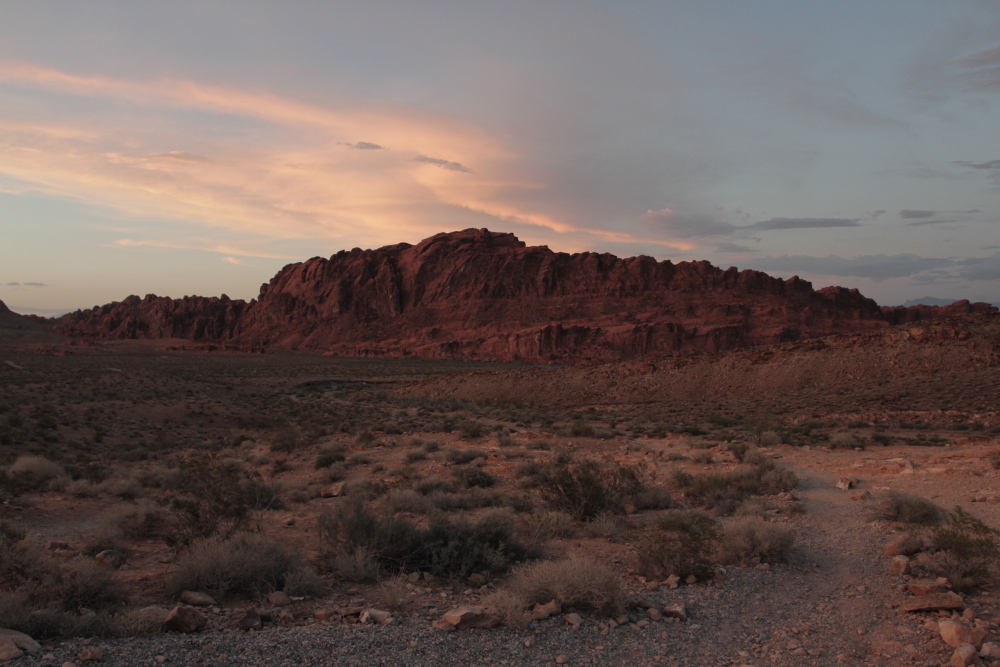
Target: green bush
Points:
(679, 542)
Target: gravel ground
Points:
(833, 604)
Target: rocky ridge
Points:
(484, 295)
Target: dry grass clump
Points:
(392, 593)
(964, 550)
(910, 508)
(678, 542)
(508, 608)
(750, 537)
(588, 489)
(41, 468)
(579, 583)
(725, 491)
(546, 525)
(245, 565)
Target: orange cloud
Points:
(298, 175)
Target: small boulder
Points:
(9, 650)
(279, 599)
(92, 654)
(653, 614)
(944, 601)
(21, 640)
(465, 617)
(333, 490)
(955, 634)
(251, 621)
(900, 565)
(990, 650)
(926, 587)
(375, 616)
(443, 625)
(197, 599)
(111, 558)
(477, 579)
(574, 620)
(904, 545)
(964, 656)
(675, 609)
(184, 619)
(542, 611)
(846, 483)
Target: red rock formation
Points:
(478, 294)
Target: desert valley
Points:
(472, 451)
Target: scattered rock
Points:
(251, 621)
(375, 616)
(955, 634)
(653, 614)
(333, 490)
(197, 599)
(943, 601)
(904, 545)
(8, 650)
(91, 654)
(542, 611)
(21, 640)
(574, 620)
(900, 565)
(184, 619)
(111, 558)
(846, 483)
(926, 587)
(477, 579)
(56, 545)
(675, 609)
(279, 599)
(443, 625)
(963, 656)
(562, 659)
(465, 617)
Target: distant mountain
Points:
(929, 301)
(478, 294)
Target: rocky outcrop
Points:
(484, 295)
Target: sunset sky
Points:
(197, 147)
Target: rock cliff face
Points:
(478, 294)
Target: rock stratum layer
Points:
(483, 295)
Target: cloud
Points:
(981, 71)
(364, 146)
(233, 260)
(804, 223)
(908, 214)
(13, 284)
(35, 285)
(733, 247)
(922, 223)
(992, 164)
(980, 268)
(444, 164)
(686, 225)
(876, 267)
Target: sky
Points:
(189, 147)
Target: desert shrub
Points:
(579, 583)
(304, 582)
(463, 456)
(750, 537)
(431, 485)
(725, 491)
(406, 500)
(392, 593)
(541, 526)
(652, 498)
(739, 450)
(703, 457)
(359, 459)
(605, 526)
(124, 486)
(770, 438)
(965, 549)
(995, 458)
(910, 508)
(844, 441)
(504, 439)
(364, 437)
(754, 506)
(475, 477)
(82, 488)
(678, 542)
(682, 478)
(244, 565)
(30, 473)
(447, 548)
(508, 608)
(327, 458)
(470, 430)
(415, 455)
(215, 497)
(587, 489)
(43, 595)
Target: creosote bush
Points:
(750, 537)
(446, 548)
(588, 489)
(244, 565)
(579, 583)
(678, 542)
(910, 508)
(964, 550)
(725, 491)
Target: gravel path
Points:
(833, 604)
